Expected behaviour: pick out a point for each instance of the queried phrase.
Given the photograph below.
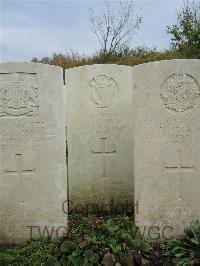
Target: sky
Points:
(40, 28)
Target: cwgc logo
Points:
(104, 91)
(18, 97)
(180, 92)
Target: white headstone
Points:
(167, 143)
(100, 139)
(32, 151)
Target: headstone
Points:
(100, 139)
(167, 144)
(32, 152)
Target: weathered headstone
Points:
(167, 144)
(32, 152)
(100, 138)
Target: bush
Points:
(95, 241)
(148, 57)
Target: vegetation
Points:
(36, 252)
(185, 251)
(115, 27)
(186, 33)
(98, 241)
(130, 57)
(105, 241)
(92, 241)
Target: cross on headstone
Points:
(19, 171)
(180, 169)
(104, 152)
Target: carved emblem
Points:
(18, 97)
(104, 91)
(180, 92)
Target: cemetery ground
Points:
(105, 240)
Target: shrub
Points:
(130, 57)
(95, 240)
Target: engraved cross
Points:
(180, 169)
(19, 171)
(104, 152)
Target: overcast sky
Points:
(39, 28)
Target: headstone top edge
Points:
(97, 66)
(150, 64)
(167, 61)
(27, 64)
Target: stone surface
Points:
(128, 130)
(100, 138)
(167, 144)
(32, 151)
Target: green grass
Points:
(36, 252)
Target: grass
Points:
(36, 252)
